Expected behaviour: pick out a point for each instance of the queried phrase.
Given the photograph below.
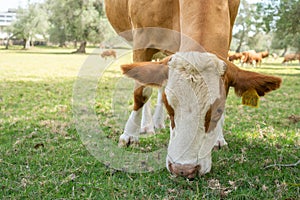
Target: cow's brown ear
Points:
(147, 73)
(244, 81)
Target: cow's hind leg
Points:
(159, 117)
(147, 122)
(133, 125)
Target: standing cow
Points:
(196, 83)
(290, 57)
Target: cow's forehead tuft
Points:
(197, 62)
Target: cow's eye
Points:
(220, 111)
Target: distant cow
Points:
(252, 58)
(108, 53)
(235, 56)
(291, 57)
(264, 54)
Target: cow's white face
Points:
(196, 93)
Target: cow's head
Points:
(196, 85)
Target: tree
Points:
(285, 18)
(288, 23)
(247, 25)
(76, 20)
(29, 23)
(58, 31)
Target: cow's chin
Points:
(190, 171)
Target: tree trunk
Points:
(284, 52)
(75, 44)
(7, 43)
(238, 50)
(26, 44)
(82, 47)
(62, 44)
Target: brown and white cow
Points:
(196, 82)
(253, 58)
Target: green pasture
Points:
(43, 157)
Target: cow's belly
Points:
(157, 25)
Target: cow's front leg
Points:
(133, 124)
(220, 139)
(220, 142)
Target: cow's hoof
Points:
(125, 140)
(159, 118)
(147, 129)
(220, 144)
(159, 125)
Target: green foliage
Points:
(74, 20)
(285, 17)
(280, 20)
(30, 22)
(247, 25)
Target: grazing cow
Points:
(291, 57)
(108, 53)
(252, 58)
(196, 83)
(235, 56)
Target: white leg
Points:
(221, 140)
(159, 117)
(147, 123)
(132, 129)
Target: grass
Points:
(43, 157)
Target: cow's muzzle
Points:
(189, 171)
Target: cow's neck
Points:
(207, 22)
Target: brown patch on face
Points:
(215, 111)
(170, 110)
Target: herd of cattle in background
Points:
(247, 57)
(253, 58)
